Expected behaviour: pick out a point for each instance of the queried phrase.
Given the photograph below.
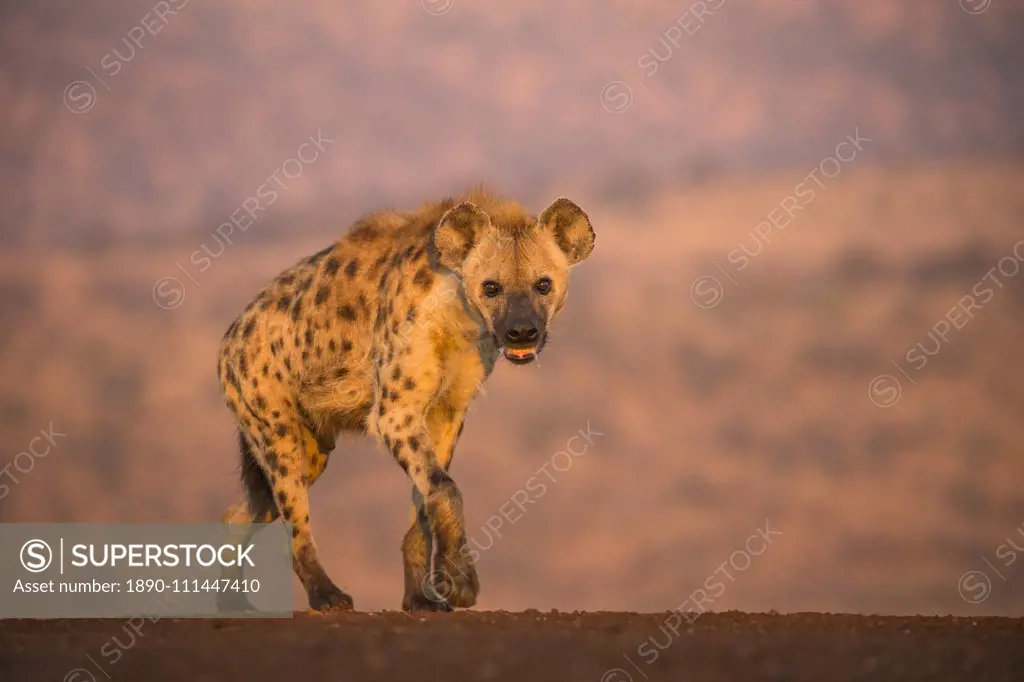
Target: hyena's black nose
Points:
(522, 334)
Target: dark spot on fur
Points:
(284, 302)
(381, 409)
(408, 420)
(297, 310)
(287, 512)
(282, 497)
(276, 414)
(409, 384)
(250, 326)
(340, 373)
(260, 402)
(414, 443)
(278, 375)
(243, 366)
(266, 370)
(347, 312)
(332, 266)
(332, 345)
(352, 268)
(321, 295)
(397, 373)
(423, 278)
(346, 345)
(309, 337)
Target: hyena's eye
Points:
(491, 288)
(543, 286)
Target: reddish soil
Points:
(595, 647)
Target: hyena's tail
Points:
(257, 488)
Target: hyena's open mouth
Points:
(524, 356)
(521, 356)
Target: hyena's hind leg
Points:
(284, 461)
(256, 506)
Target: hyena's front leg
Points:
(439, 571)
(455, 582)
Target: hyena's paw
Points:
(327, 597)
(421, 602)
(455, 581)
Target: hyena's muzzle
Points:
(521, 331)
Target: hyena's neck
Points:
(460, 327)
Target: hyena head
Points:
(514, 268)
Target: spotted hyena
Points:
(390, 332)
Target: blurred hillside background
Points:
(749, 352)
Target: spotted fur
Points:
(391, 332)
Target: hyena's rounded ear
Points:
(458, 232)
(570, 227)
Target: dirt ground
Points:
(498, 645)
